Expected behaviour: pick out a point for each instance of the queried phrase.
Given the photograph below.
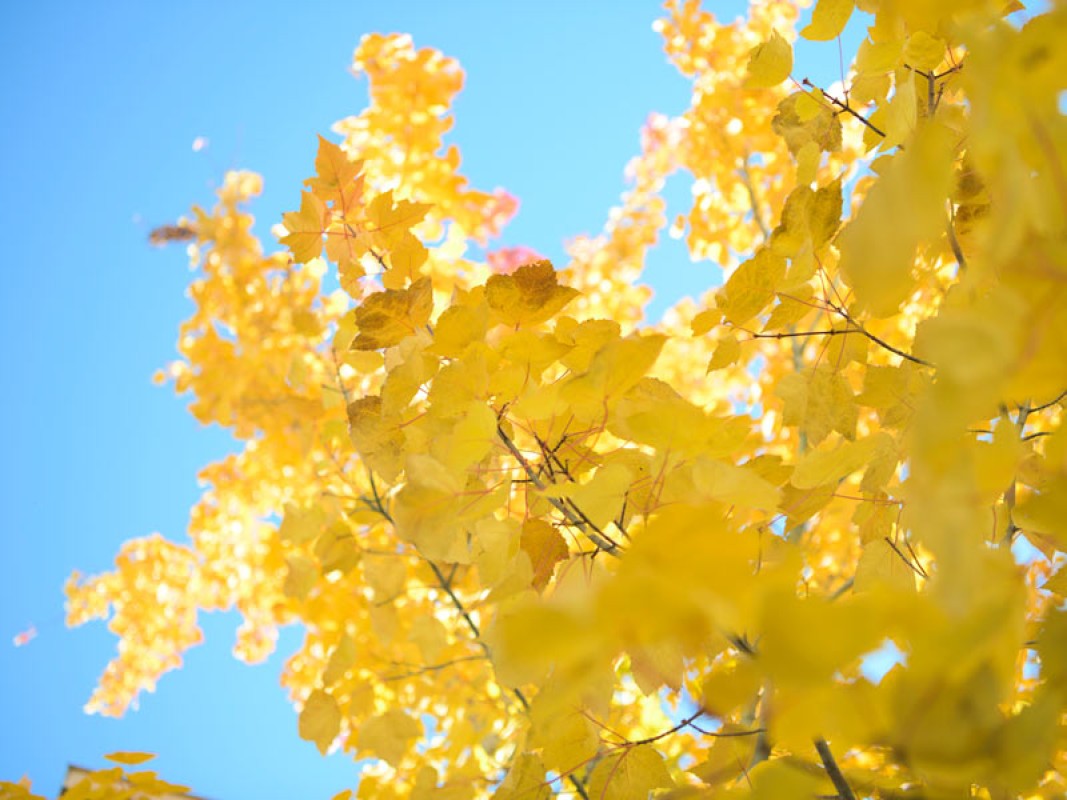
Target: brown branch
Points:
(845, 107)
(596, 537)
(953, 241)
(375, 503)
(844, 791)
(1050, 403)
(841, 331)
(917, 569)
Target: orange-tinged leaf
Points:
(129, 758)
(336, 173)
(388, 221)
(306, 228)
(385, 318)
(320, 720)
(528, 296)
(545, 547)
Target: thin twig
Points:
(840, 332)
(597, 538)
(844, 791)
(845, 107)
(917, 569)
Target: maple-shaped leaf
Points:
(389, 220)
(337, 175)
(387, 317)
(305, 228)
(528, 296)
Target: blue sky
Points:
(102, 102)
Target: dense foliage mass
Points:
(542, 546)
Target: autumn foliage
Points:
(543, 546)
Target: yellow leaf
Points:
(830, 405)
(320, 720)
(828, 465)
(881, 564)
(384, 574)
(545, 547)
(567, 738)
(728, 688)
(903, 207)
(805, 641)
(600, 499)
(769, 63)
(828, 20)
(389, 221)
(751, 287)
(336, 174)
(129, 758)
(705, 321)
(615, 369)
(741, 486)
(634, 772)
(306, 228)
(726, 353)
(791, 308)
(301, 575)
(878, 57)
(525, 780)
(385, 318)
(1046, 512)
(529, 296)
(923, 51)
(389, 735)
(430, 636)
(457, 327)
(341, 661)
(405, 260)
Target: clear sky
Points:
(101, 104)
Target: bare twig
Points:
(576, 519)
(844, 106)
(844, 791)
(840, 332)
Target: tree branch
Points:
(841, 331)
(844, 107)
(844, 791)
(577, 519)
